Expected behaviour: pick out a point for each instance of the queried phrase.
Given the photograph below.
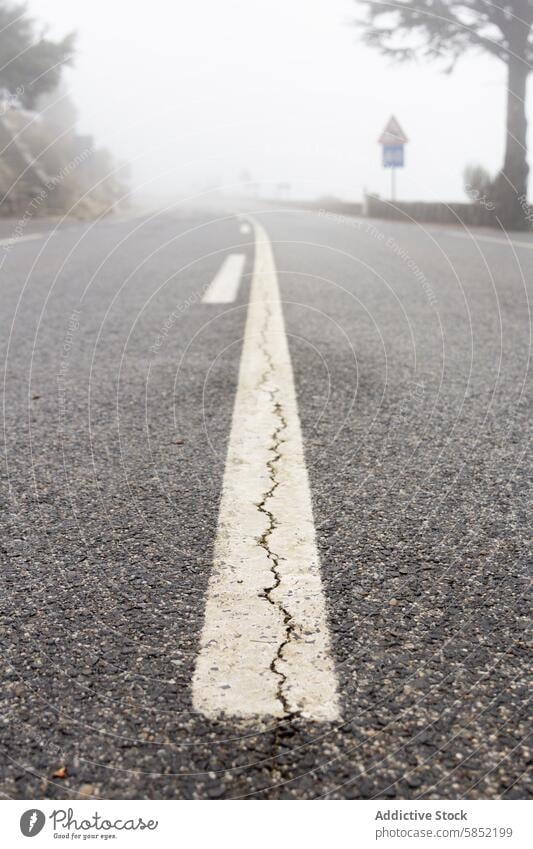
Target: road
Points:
(376, 479)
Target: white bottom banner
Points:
(240, 824)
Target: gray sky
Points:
(196, 91)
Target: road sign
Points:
(393, 133)
(393, 140)
(393, 156)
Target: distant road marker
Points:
(225, 285)
(265, 647)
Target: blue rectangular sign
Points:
(393, 155)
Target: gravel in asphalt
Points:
(410, 350)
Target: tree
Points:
(477, 182)
(30, 63)
(445, 29)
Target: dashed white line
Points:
(225, 285)
(265, 647)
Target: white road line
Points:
(479, 237)
(265, 648)
(245, 228)
(225, 285)
(29, 237)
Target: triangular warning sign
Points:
(393, 133)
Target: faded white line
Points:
(480, 237)
(265, 647)
(245, 228)
(14, 240)
(225, 285)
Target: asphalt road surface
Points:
(143, 654)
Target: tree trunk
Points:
(510, 188)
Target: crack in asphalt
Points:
(264, 539)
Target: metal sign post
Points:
(392, 141)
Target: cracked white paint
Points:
(265, 644)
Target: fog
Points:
(193, 94)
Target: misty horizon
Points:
(214, 96)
